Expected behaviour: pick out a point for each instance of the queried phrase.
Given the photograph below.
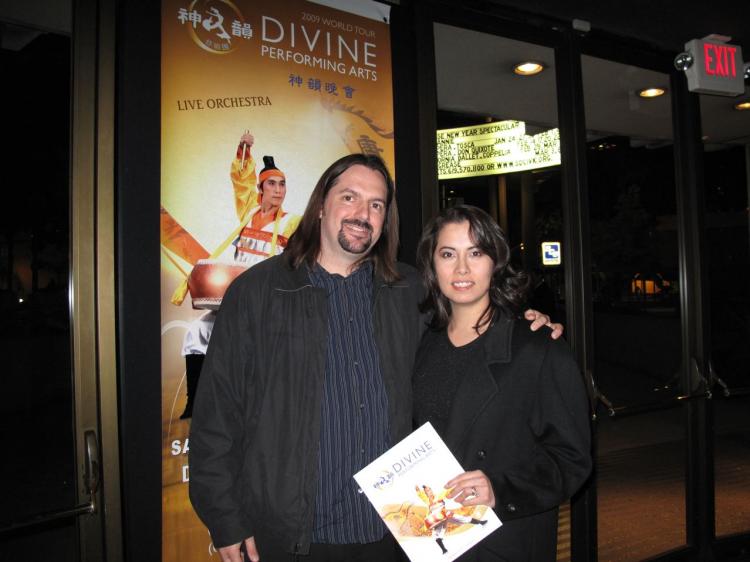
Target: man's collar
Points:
(364, 268)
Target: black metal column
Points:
(426, 87)
(577, 257)
(695, 317)
(138, 262)
(415, 121)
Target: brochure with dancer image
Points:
(405, 485)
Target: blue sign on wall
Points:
(551, 253)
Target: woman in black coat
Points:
(509, 403)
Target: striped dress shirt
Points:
(354, 410)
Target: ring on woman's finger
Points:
(473, 491)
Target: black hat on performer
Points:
(269, 169)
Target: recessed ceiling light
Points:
(528, 68)
(742, 106)
(651, 92)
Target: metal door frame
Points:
(92, 290)
(92, 277)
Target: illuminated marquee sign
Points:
(495, 148)
(717, 67)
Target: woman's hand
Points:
(472, 488)
(539, 319)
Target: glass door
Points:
(726, 138)
(499, 149)
(640, 458)
(58, 410)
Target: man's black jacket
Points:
(256, 422)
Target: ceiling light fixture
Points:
(528, 68)
(742, 106)
(651, 92)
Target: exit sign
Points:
(717, 67)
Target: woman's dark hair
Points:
(508, 287)
(304, 244)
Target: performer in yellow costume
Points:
(266, 227)
(264, 230)
(440, 512)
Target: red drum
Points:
(208, 281)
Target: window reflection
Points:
(36, 425)
(726, 184)
(527, 204)
(635, 286)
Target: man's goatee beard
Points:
(347, 245)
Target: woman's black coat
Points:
(523, 420)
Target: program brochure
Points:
(405, 485)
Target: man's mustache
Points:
(358, 223)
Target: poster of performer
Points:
(258, 97)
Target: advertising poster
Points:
(300, 82)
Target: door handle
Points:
(596, 396)
(91, 478)
(697, 380)
(91, 474)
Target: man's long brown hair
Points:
(304, 244)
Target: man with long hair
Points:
(308, 379)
